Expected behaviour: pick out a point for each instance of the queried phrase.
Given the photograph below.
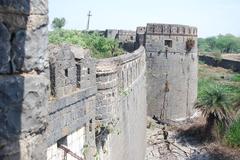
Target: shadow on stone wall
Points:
(11, 95)
(13, 24)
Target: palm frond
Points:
(214, 100)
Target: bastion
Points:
(57, 102)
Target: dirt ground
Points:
(232, 56)
(184, 142)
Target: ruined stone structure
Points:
(171, 70)
(171, 57)
(57, 102)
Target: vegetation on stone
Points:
(100, 46)
(222, 43)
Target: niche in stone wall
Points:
(52, 79)
(66, 72)
(88, 70)
(90, 125)
(168, 43)
(78, 75)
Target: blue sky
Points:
(210, 16)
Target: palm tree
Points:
(214, 103)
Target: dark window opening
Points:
(66, 72)
(131, 37)
(78, 75)
(90, 125)
(88, 71)
(52, 80)
(168, 43)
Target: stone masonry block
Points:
(5, 48)
(23, 104)
(24, 6)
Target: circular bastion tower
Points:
(172, 66)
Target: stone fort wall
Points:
(57, 99)
(23, 82)
(50, 94)
(171, 70)
(121, 100)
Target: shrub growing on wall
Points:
(100, 46)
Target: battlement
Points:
(170, 29)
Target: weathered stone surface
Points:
(24, 6)
(23, 111)
(35, 54)
(5, 48)
(121, 100)
(18, 50)
(22, 100)
(13, 21)
(36, 22)
(171, 71)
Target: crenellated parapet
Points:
(171, 70)
(170, 29)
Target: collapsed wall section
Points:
(126, 38)
(71, 120)
(171, 70)
(121, 106)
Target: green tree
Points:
(211, 41)
(58, 23)
(215, 105)
(203, 45)
(222, 43)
